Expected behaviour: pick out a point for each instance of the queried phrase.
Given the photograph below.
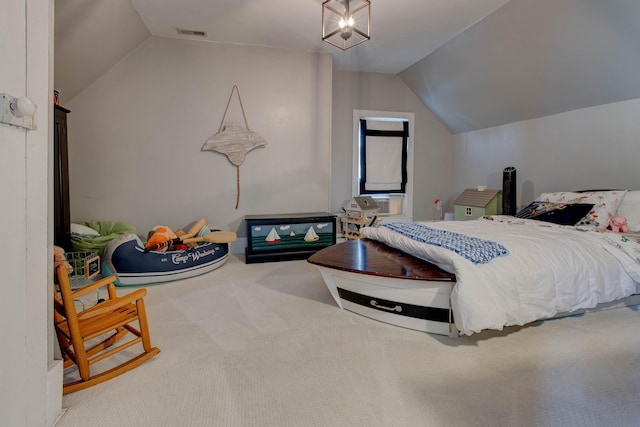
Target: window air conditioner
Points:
(383, 205)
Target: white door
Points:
(24, 191)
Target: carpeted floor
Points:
(265, 345)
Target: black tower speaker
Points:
(509, 191)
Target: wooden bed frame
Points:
(377, 281)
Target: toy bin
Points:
(86, 266)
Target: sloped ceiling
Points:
(402, 32)
(480, 63)
(91, 36)
(532, 58)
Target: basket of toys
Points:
(84, 267)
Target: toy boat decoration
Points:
(273, 236)
(126, 258)
(311, 235)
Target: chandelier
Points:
(345, 23)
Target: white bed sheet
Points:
(550, 269)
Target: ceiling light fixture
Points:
(345, 23)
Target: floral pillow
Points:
(605, 204)
(630, 209)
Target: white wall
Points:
(590, 148)
(135, 135)
(25, 254)
(432, 141)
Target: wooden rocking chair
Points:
(78, 331)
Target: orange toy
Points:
(161, 234)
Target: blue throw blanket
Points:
(476, 250)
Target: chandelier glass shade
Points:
(345, 23)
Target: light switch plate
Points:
(7, 116)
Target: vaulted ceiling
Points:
(92, 35)
(474, 63)
(532, 58)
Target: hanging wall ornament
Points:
(234, 141)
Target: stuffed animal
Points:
(160, 234)
(618, 224)
(60, 258)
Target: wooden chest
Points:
(288, 236)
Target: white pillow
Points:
(630, 209)
(605, 204)
(83, 230)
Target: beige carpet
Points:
(265, 345)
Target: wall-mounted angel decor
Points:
(234, 141)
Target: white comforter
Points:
(550, 269)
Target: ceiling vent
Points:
(196, 33)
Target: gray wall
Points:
(590, 148)
(135, 135)
(532, 58)
(432, 149)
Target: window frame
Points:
(362, 172)
(407, 205)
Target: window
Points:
(383, 160)
(383, 156)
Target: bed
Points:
(549, 260)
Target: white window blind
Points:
(383, 157)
